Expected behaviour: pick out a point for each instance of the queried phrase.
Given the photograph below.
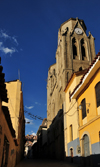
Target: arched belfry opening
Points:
(83, 51)
(74, 45)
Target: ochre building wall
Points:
(6, 132)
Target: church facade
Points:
(75, 52)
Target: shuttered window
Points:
(97, 90)
(83, 103)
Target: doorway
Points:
(71, 154)
(86, 150)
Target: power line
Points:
(33, 116)
(70, 108)
(71, 114)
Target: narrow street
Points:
(44, 163)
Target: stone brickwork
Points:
(75, 51)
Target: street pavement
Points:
(44, 163)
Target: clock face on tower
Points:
(78, 31)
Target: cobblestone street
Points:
(44, 163)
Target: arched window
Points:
(97, 90)
(83, 104)
(74, 48)
(83, 49)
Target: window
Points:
(80, 69)
(74, 48)
(69, 96)
(71, 132)
(83, 103)
(97, 90)
(99, 136)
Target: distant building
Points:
(16, 109)
(42, 139)
(30, 140)
(28, 146)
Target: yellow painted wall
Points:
(13, 94)
(6, 132)
(93, 131)
(71, 117)
(92, 121)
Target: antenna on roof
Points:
(18, 74)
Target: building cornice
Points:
(88, 123)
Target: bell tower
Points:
(77, 49)
(75, 52)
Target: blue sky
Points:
(28, 43)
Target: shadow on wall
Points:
(19, 156)
(92, 160)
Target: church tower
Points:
(75, 51)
